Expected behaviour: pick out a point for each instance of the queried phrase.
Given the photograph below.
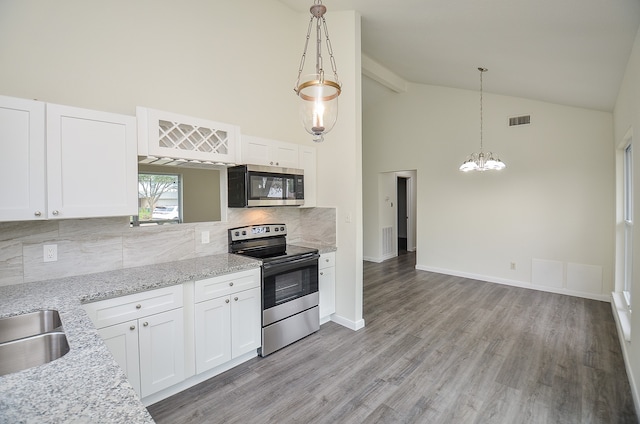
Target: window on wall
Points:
(628, 223)
(159, 199)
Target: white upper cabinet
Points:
(22, 158)
(170, 138)
(263, 151)
(89, 157)
(92, 168)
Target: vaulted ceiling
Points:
(571, 52)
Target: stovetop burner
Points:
(267, 242)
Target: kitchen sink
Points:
(30, 340)
(25, 325)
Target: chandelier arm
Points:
(304, 55)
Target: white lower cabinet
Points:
(212, 333)
(327, 285)
(152, 334)
(149, 348)
(161, 343)
(122, 341)
(229, 324)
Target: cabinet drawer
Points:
(327, 260)
(223, 285)
(134, 306)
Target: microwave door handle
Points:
(283, 267)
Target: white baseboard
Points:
(371, 259)
(380, 259)
(516, 283)
(624, 346)
(352, 325)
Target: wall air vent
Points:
(519, 120)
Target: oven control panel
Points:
(257, 231)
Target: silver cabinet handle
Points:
(226, 301)
(38, 213)
(235, 298)
(55, 213)
(146, 324)
(138, 306)
(322, 273)
(231, 284)
(326, 260)
(133, 327)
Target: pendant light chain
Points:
(304, 54)
(334, 68)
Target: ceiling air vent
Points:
(519, 120)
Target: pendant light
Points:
(318, 93)
(482, 161)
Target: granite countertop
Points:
(87, 385)
(322, 248)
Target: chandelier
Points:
(317, 93)
(482, 161)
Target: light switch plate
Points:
(205, 237)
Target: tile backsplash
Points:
(104, 244)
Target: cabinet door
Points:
(161, 341)
(212, 333)
(285, 155)
(307, 161)
(92, 165)
(122, 341)
(22, 159)
(263, 151)
(327, 286)
(246, 322)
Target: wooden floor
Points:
(435, 349)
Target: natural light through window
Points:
(158, 199)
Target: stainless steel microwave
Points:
(256, 185)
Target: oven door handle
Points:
(280, 267)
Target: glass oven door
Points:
(286, 280)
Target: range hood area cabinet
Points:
(264, 151)
(59, 162)
(166, 138)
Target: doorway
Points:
(403, 213)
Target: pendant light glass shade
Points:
(318, 94)
(318, 104)
(482, 161)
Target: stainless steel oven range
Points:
(289, 283)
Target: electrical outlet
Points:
(205, 237)
(513, 266)
(50, 252)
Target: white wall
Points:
(225, 60)
(554, 202)
(627, 119)
(340, 169)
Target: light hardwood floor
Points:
(435, 349)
